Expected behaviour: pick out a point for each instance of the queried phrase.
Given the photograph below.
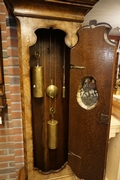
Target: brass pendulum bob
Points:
(52, 131)
(37, 78)
(52, 90)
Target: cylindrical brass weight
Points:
(52, 134)
(37, 81)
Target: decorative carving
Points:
(87, 95)
(30, 25)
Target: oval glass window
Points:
(87, 94)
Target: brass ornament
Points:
(87, 94)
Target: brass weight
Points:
(52, 134)
(52, 130)
(37, 81)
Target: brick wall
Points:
(11, 140)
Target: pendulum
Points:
(52, 90)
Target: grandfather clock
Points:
(66, 86)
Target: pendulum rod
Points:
(63, 94)
(52, 90)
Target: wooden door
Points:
(91, 88)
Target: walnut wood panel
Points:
(88, 132)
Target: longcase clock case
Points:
(67, 74)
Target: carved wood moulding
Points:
(64, 10)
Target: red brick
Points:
(3, 165)
(14, 71)
(18, 145)
(16, 106)
(5, 132)
(10, 138)
(7, 116)
(19, 152)
(2, 131)
(9, 124)
(6, 145)
(16, 115)
(14, 89)
(19, 159)
(12, 32)
(16, 97)
(3, 177)
(13, 175)
(18, 138)
(3, 26)
(12, 51)
(13, 127)
(1, 126)
(8, 102)
(12, 164)
(3, 152)
(2, 17)
(9, 110)
(13, 61)
(7, 170)
(2, 139)
(11, 151)
(17, 123)
(2, 8)
(7, 93)
(7, 79)
(6, 12)
(4, 45)
(6, 158)
(19, 165)
(17, 130)
(12, 41)
(5, 63)
(14, 138)
(4, 36)
(7, 87)
(14, 80)
(6, 71)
